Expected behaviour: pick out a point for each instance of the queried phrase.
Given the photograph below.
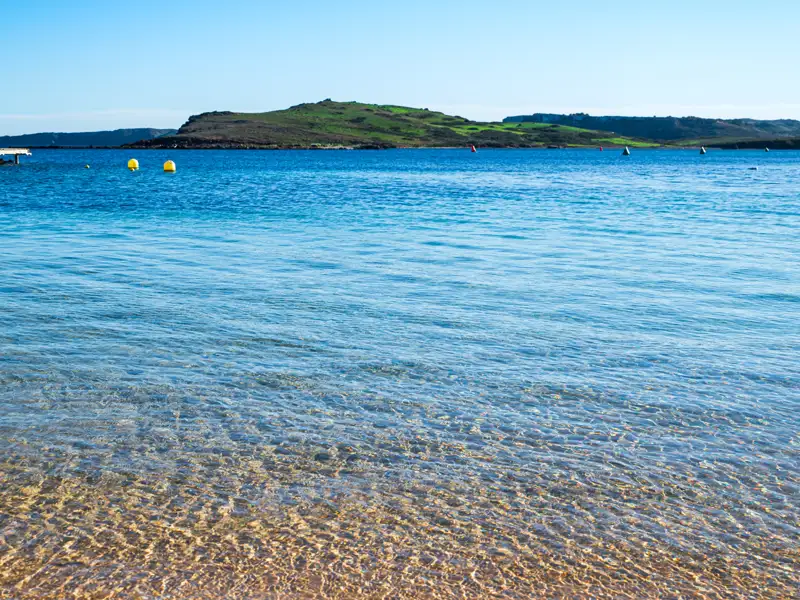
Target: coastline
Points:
(137, 147)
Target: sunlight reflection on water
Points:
(400, 374)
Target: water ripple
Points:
(405, 374)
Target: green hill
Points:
(329, 124)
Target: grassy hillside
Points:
(678, 130)
(118, 137)
(352, 124)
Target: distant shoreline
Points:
(350, 148)
(331, 125)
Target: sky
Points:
(88, 65)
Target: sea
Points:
(400, 374)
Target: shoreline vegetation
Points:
(681, 131)
(87, 139)
(789, 145)
(330, 125)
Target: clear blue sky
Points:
(92, 64)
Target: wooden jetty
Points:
(17, 152)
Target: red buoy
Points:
(473, 149)
(601, 148)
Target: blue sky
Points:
(90, 64)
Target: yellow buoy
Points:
(86, 167)
(169, 167)
(133, 164)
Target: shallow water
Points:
(400, 374)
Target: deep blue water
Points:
(461, 373)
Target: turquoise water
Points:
(411, 373)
